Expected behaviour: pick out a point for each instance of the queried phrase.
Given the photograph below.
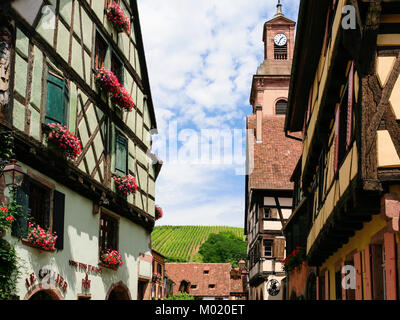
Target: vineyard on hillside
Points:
(182, 243)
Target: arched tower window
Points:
(280, 107)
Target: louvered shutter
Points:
(279, 249)
(350, 102)
(20, 225)
(56, 100)
(337, 137)
(121, 155)
(58, 218)
(368, 279)
(327, 291)
(358, 271)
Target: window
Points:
(35, 199)
(206, 271)
(281, 107)
(344, 121)
(108, 238)
(39, 204)
(57, 100)
(100, 51)
(211, 286)
(267, 213)
(193, 286)
(338, 284)
(329, 23)
(267, 248)
(121, 154)
(280, 52)
(117, 67)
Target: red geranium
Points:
(111, 259)
(67, 141)
(41, 238)
(6, 219)
(116, 16)
(126, 184)
(158, 213)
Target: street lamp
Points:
(13, 174)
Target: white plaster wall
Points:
(81, 231)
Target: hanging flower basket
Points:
(40, 238)
(70, 145)
(111, 259)
(295, 259)
(125, 184)
(158, 213)
(156, 277)
(6, 220)
(116, 16)
(109, 82)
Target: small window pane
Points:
(281, 107)
(121, 155)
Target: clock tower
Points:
(271, 159)
(271, 82)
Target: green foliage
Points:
(224, 247)
(182, 243)
(6, 145)
(8, 270)
(175, 259)
(295, 259)
(180, 296)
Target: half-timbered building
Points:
(344, 97)
(271, 157)
(51, 52)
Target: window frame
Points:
(99, 35)
(115, 57)
(115, 231)
(271, 245)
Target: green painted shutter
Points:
(57, 100)
(58, 218)
(20, 226)
(121, 155)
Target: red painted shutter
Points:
(358, 270)
(336, 142)
(318, 297)
(368, 274)
(350, 107)
(390, 266)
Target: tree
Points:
(223, 247)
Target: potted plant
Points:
(125, 184)
(40, 238)
(123, 99)
(117, 17)
(158, 212)
(66, 141)
(111, 259)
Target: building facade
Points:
(271, 157)
(208, 281)
(344, 97)
(51, 53)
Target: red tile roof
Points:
(276, 157)
(219, 274)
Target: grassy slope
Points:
(184, 242)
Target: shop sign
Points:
(48, 278)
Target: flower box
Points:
(125, 184)
(40, 238)
(117, 17)
(108, 81)
(158, 213)
(111, 259)
(68, 144)
(295, 259)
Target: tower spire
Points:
(278, 9)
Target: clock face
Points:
(280, 39)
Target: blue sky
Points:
(201, 56)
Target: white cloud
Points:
(201, 57)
